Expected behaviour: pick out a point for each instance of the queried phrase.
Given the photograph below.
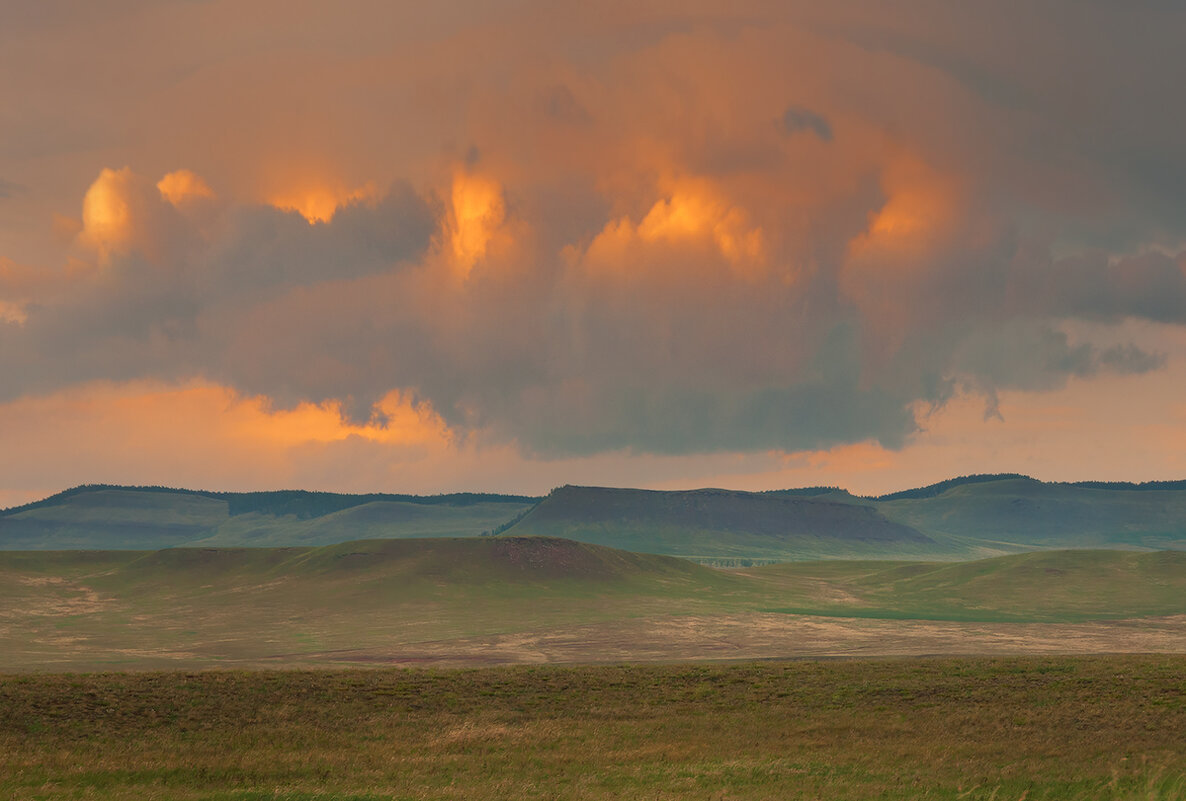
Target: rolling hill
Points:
(526, 599)
(147, 518)
(1015, 513)
(965, 518)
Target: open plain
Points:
(1033, 728)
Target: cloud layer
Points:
(684, 231)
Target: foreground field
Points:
(1029, 728)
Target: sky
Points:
(433, 247)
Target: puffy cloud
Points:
(183, 188)
(122, 213)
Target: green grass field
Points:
(1039, 729)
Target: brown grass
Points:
(1033, 728)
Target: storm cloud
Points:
(610, 247)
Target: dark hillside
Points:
(101, 517)
(301, 504)
(712, 523)
(104, 519)
(485, 560)
(932, 490)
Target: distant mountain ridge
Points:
(100, 517)
(1021, 513)
(962, 518)
(301, 503)
(932, 490)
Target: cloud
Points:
(559, 103)
(610, 247)
(9, 189)
(797, 118)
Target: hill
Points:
(963, 518)
(530, 599)
(1020, 513)
(198, 605)
(141, 518)
(716, 525)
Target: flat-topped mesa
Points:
(764, 514)
(716, 523)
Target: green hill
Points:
(145, 518)
(1019, 513)
(963, 518)
(202, 605)
(723, 525)
(112, 518)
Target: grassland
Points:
(1041, 586)
(1018, 513)
(493, 600)
(1040, 729)
(106, 518)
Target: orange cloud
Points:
(400, 422)
(202, 434)
(317, 202)
(107, 210)
(477, 212)
(122, 212)
(183, 186)
(921, 205)
(693, 213)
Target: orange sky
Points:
(372, 247)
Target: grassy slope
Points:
(1037, 586)
(378, 519)
(145, 520)
(233, 604)
(1022, 513)
(506, 598)
(720, 524)
(977, 730)
(109, 519)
